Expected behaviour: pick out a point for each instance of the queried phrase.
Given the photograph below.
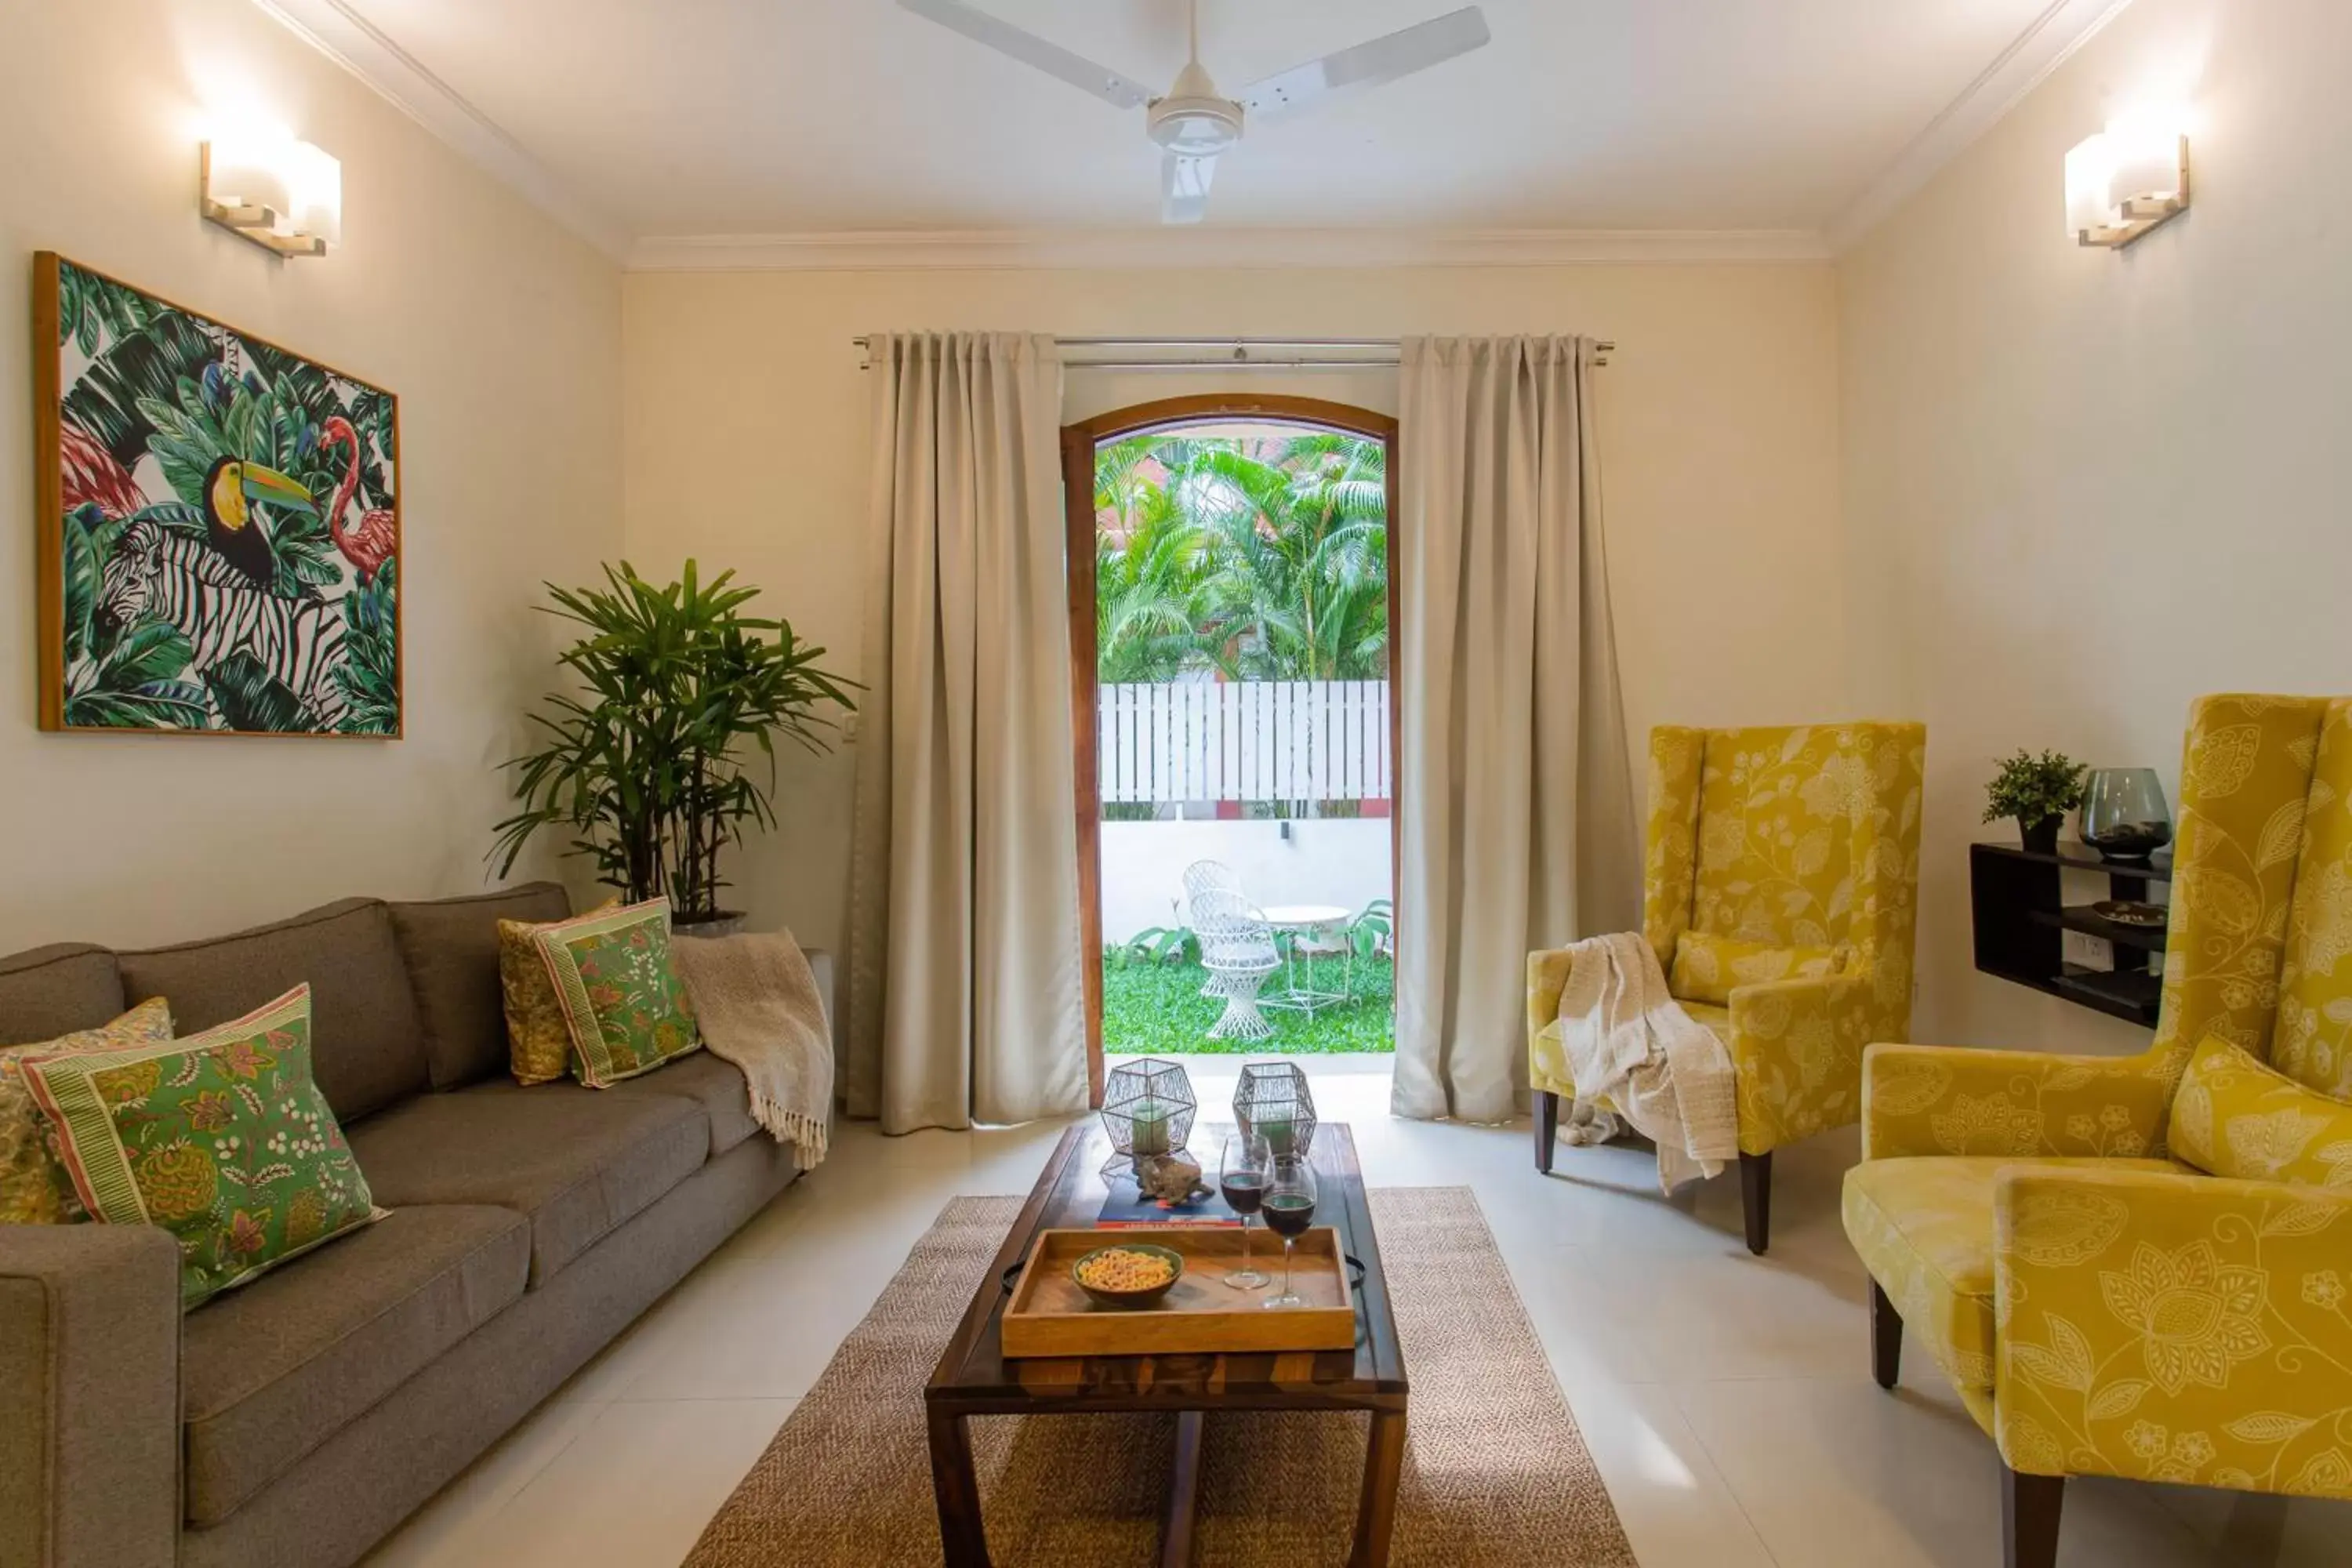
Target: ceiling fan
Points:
(1191, 121)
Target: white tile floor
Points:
(1727, 1399)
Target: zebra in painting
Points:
(175, 577)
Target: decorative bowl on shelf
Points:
(2124, 814)
(2130, 912)
(1124, 1276)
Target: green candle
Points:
(1151, 1128)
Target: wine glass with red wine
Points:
(1247, 1171)
(1288, 1210)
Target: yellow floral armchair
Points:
(2102, 1306)
(1780, 882)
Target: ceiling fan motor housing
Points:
(1192, 120)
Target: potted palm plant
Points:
(648, 764)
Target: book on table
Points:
(1127, 1208)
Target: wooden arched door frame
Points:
(1079, 442)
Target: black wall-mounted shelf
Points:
(2019, 916)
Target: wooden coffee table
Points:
(973, 1378)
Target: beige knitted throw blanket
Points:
(758, 1008)
(1629, 1044)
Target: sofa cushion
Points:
(271, 1371)
(366, 1044)
(451, 948)
(56, 990)
(538, 1041)
(2237, 1116)
(1709, 967)
(623, 1003)
(221, 1138)
(34, 1188)
(710, 1082)
(575, 1161)
(1923, 1228)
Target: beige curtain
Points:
(964, 1001)
(1518, 827)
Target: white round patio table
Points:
(1316, 923)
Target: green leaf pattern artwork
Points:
(227, 525)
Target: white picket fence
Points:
(1274, 740)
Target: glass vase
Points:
(2124, 814)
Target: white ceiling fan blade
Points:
(1032, 50)
(1369, 65)
(1185, 187)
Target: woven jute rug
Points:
(1494, 1472)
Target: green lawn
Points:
(1158, 1009)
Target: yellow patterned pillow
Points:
(34, 1188)
(1706, 966)
(2236, 1116)
(539, 1043)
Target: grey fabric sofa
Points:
(297, 1421)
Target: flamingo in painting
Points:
(371, 543)
(93, 476)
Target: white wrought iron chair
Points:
(1237, 950)
(1201, 876)
(1204, 876)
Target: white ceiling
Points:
(711, 118)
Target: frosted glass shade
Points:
(2144, 160)
(316, 183)
(247, 171)
(2090, 174)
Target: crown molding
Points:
(1150, 248)
(337, 31)
(2048, 42)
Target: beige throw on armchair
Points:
(964, 999)
(1634, 1052)
(1514, 788)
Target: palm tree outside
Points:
(1230, 555)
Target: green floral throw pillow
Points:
(622, 998)
(221, 1139)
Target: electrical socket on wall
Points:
(2087, 951)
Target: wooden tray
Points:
(1050, 1316)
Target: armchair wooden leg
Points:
(1755, 1199)
(1886, 1338)
(1547, 1129)
(2029, 1518)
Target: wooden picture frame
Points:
(218, 525)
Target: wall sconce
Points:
(285, 195)
(2130, 179)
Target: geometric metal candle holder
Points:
(1273, 1099)
(1148, 1109)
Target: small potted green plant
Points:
(645, 762)
(2038, 792)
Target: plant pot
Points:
(2040, 837)
(726, 922)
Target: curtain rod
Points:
(1237, 352)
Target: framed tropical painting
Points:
(219, 524)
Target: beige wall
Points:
(501, 334)
(2081, 487)
(746, 446)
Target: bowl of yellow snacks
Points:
(1131, 1275)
